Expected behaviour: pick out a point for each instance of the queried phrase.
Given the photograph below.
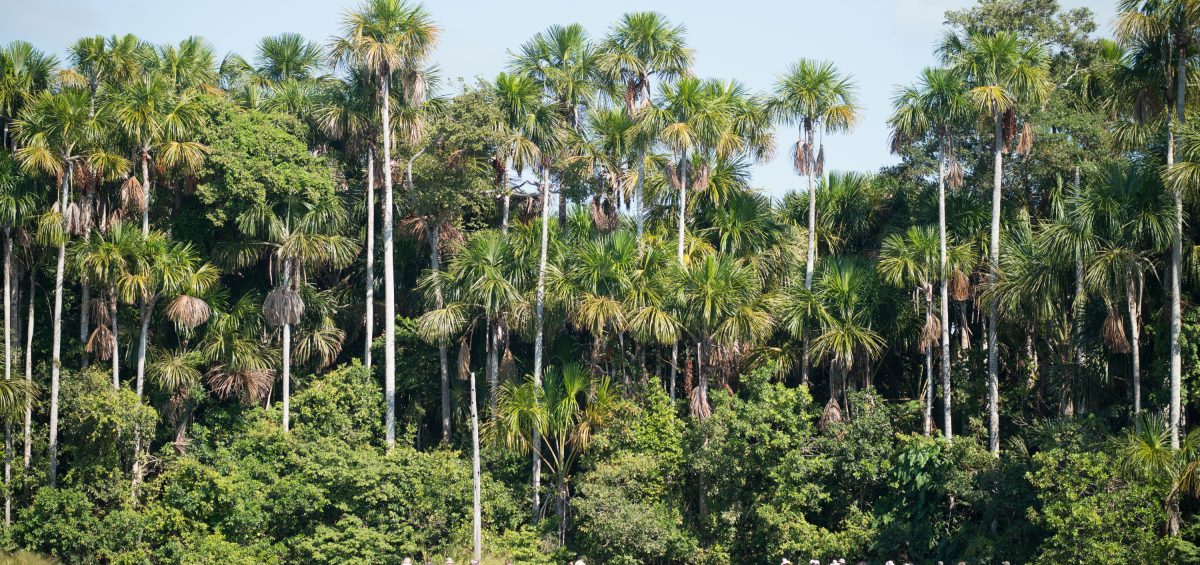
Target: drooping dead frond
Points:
(819, 165)
(1009, 129)
(931, 333)
(188, 311)
(954, 172)
(703, 174)
(464, 359)
(672, 175)
(283, 306)
(1025, 141)
(101, 343)
(831, 415)
(698, 402)
(132, 196)
(604, 214)
(250, 385)
(530, 208)
(508, 365)
(74, 219)
(960, 286)
(99, 311)
(1114, 332)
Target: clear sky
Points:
(881, 42)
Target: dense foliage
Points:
(289, 273)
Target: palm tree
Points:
(639, 47)
(1169, 28)
(929, 108)
(190, 65)
(99, 62)
(298, 236)
(387, 37)
(721, 305)
(62, 137)
(14, 395)
(563, 61)
(16, 208)
(158, 124)
(24, 72)
(1004, 73)
(101, 261)
(288, 56)
(346, 115)
(564, 411)
(815, 97)
(1145, 454)
(239, 363)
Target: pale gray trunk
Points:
(929, 388)
(116, 348)
(7, 372)
(944, 275)
(993, 383)
(539, 314)
(146, 193)
(1134, 302)
(674, 364)
(639, 214)
(56, 344)
(507, 196)
(369, 325)
(287, 377)
(683, 183)
(476, 508)
(434, 236)
(1177, 261)
(144, 330)
(389, 274)
(138, 459)
(85, 322)
(810, 265)
(28, 455)
(493, 365)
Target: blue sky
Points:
(881, 42)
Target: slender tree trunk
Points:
(561, 503)
(56, 343)
(85, 322)
(810, 264)
(116, 348)
(674, 365)
(993, 384)
(539, 337)
(476, 514)
(389, 273)
(143, 332)
(369, 325)
(507, 197)
(943, 275)
(1133, 301)
(639, 213)
(493, 364)
(1177, 260)
(7, 372)
(434, 235)
(28, 455)
(287, 377)
(929, 388)
(683, 186)
(146, 193)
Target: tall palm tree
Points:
(929, 109)
(1145, 453)
(190, 65)
(62, 137)
(159, 125)
(1134, 217)
(299, 236)
(24, 72)
(1004, 73)
(565, 411)
(389, 37)
(817, 98)
(346, 115)
(101, 261)
(1169, 26)
(642, 46)
(288, 56)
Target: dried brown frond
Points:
(1009, 128)
(283, 306)
(604, 214)
(188, 311)
(132, 195)
(672, 175)
(931, 333)
(1025, 141)
(508, 365)
(831, 415)
(954, 173)
(464, 359)
(1114, 333)
(703, 175)
(960, 286)
(819, 166)
(101, 343)
(99, 310)
(249, 386)
(698, 402)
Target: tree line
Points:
(581, 235)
